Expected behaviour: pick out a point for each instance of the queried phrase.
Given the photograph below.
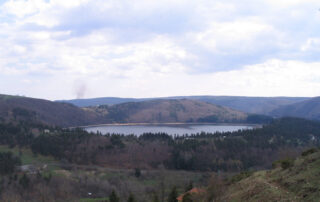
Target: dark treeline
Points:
(229, 151)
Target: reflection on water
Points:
(169, 129)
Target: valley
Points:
(219, 151)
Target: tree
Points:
(114, 197)
(24, 181)
(216, 188)
(155, 198)
(187, 198)
(189, 186)
(131, 198)
(8, 162)
(173, 195)
(137, 172)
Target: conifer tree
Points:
(113, 197)
(131, 198)
(173, 195)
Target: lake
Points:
(171, 129)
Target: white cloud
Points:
(157, 48)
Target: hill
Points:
(44, 111)
(309, 109)
(168, 111)
(290, 180)
(256, 105)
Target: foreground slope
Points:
(168, 111)
(297, 180)
(309, 109)
(52, 113)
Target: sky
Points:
(66, 49)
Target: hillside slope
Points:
(168, 111)
(297, 180)
(256, 105)
(309, 109)
(52, 113)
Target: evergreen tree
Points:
(187, 198)
(189, 186)
(131, 198)
(173, 195)
(113, 197)
(137, 172)
(8, 162)
(155, 198)
(24, 181)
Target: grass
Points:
(94, 199)
(300, 182)
(27, 157)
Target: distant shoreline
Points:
(168, 124)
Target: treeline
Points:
(251, 119)
(228, 151)
(244, 149)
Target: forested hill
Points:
(255, 105)
(309, 109)
(168, 111)
(154, 111)
(44, 111)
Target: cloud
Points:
(157, 47)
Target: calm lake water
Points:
(169, 129)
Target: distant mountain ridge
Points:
(308, 109)
(255, 105)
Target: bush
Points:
(284, 164)
(287, 163)
(309, 151)
(241, 176)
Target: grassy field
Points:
(27, 157)
(94, 199)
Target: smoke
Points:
(80, 89)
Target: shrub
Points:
(287, 163)
(309, 151)
(241, 176)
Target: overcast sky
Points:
(63, 49)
